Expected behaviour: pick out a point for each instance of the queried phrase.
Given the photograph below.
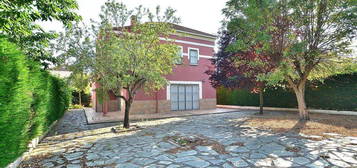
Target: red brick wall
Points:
(187, 72)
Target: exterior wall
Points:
(194, 39)
(146, 103)
(208, 104)
(149, 106)
(164, 106)
(187, 72)
(113, 105)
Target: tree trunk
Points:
(300, 96)
(80, 92)
(80, 98)
(126, 114)
(261, 102)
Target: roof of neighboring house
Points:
(180, 28)
(60, 73)
(59, 68)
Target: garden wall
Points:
(335, 93)
(30, 100)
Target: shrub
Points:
(335, 93)
(15, 102)
(76, 106)
(30, 100)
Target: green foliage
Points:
(79, 81)
(133, 57)
(309, 39)
(136, 58)
(18, 20)
(30, 100)
(336, 93)
(85, 98)
(15, 102)
(75, 48)
(76, 106)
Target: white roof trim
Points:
(211, 37)
(188, 42)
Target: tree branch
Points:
(122, 97)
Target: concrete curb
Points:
(32, 145)
(354, 113)
(92, 120)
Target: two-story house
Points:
(189, 87)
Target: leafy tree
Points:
(76, 50)
(239, 69)
(308, 38)
(133, 57)
(18, 20)
(80, 82)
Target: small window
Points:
(193, 56)
(180, 53)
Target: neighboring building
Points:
(60, 72)
(189, 87)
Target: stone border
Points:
(93, 117)
(290, 109)
(32, 145)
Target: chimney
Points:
(133, 20)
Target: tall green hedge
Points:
(335, 93)
(30, 100)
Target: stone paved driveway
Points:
(75, 144)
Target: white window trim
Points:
(201, 56)
(198, 54)
(168, 87)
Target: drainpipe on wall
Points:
(157, 103)
(105, 108)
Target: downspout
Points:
(157, 102)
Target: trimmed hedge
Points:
(30, 101)
(335, 93)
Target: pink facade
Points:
(183, 74)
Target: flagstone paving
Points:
(75, 144)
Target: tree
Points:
(133, 57)
(75, 50)
(309, 38)
(18, 20)
(80, 82)
(239, 69)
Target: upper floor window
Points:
(180, 54)
(193, 55)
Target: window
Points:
(193, 56)
(180, 53)
(184, 97)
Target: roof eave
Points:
(214, 37)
